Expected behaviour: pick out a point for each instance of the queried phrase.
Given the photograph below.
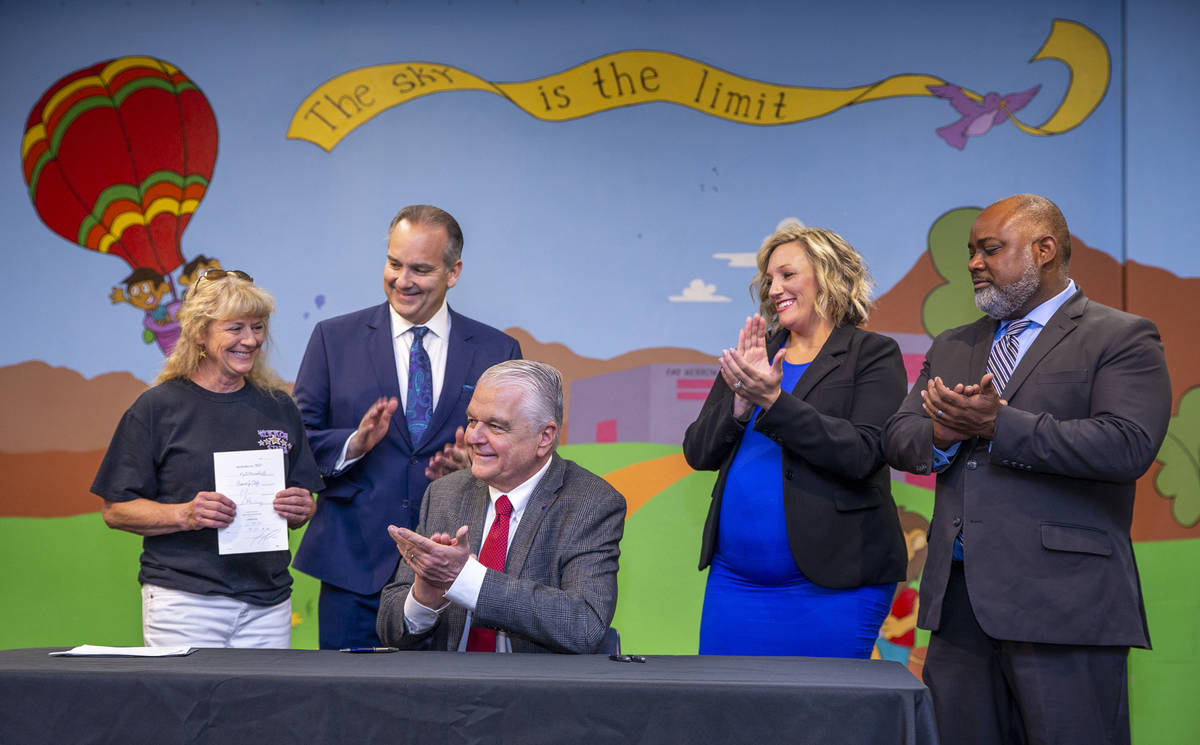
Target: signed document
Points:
(93, 650)
(251, 478)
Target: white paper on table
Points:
(94, 650)
(251, 478)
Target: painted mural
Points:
(612, 200)
(117, 157)
(629, 78)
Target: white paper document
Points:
(95, 650)
(251, 478)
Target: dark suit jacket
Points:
(350, 362)
(1045, 513)
(558, 590)
(837, 498)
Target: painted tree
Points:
(1179, 478)
(952, 303)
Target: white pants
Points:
(174, 618)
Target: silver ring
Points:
(412, 555)
(737, 384)
(939, 413)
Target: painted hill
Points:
(56, 408)
(57, 426)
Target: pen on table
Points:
(360, 650)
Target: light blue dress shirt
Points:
(1038, 317)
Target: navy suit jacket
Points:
(1045, 507)
(351, 362)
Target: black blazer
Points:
(837, 498)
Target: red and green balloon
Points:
(117, 157)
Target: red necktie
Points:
(495, 550)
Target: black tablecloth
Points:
(258, 697)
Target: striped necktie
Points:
(1003, 357)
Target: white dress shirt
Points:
(419, 618)
(436, 343)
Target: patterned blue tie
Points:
(419, 403)
(1003, 357)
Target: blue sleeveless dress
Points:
(757, 602)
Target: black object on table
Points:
(260, 697)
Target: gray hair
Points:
(430, 216)
(542, 385)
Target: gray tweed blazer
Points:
(559, 588)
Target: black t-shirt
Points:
(162, 450)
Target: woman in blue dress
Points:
(802, 540)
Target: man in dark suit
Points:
(383, 392)
(546, 576)
(1030, 587)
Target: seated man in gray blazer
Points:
(545, 579)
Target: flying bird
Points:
(977, 116)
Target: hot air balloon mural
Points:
(117, 157)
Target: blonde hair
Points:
(843, 282)
(220, 299)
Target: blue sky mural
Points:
(586, 231)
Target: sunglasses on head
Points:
(218, 273)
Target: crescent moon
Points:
(1086, 56)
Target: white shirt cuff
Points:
(466, 587)
(342, 464)
(420, 618)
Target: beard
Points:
(1004, 301)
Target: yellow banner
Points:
(339, 106)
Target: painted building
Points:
(651, 403)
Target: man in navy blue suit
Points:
(383, 392)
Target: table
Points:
(259, 697)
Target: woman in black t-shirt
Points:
(214, 394)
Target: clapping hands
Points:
(754, 378)
(961, 412)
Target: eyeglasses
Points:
(218, 273)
